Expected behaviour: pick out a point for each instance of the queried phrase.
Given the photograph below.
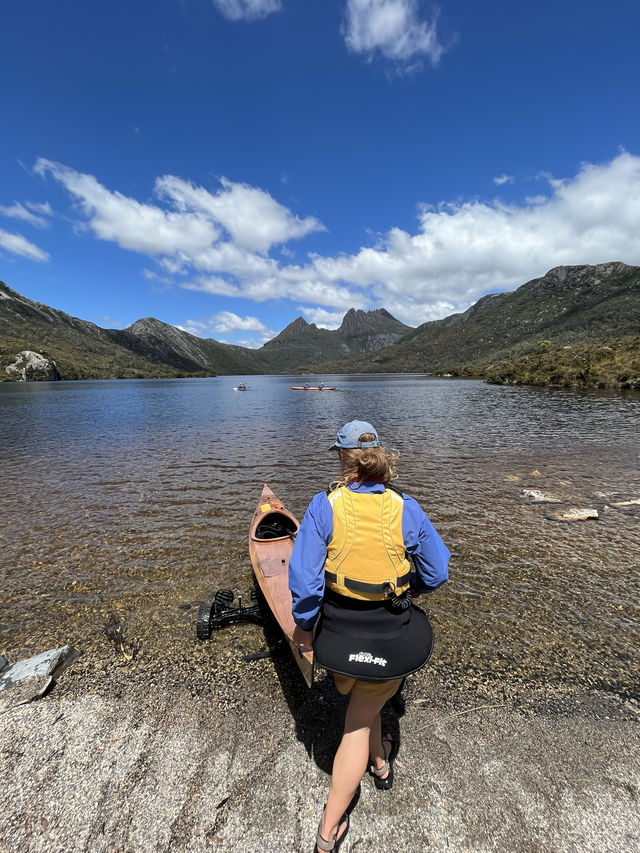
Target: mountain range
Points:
(569, 304)
(149, 347)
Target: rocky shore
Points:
(211, 752)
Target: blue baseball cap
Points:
(349, 436)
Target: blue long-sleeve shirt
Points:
(306, 567)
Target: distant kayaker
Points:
(306, 386)
(358, 589)
(320, 387)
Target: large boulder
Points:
(30, 366)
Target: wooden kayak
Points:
(311, 388)
(271, 537)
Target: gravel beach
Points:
(209, 752)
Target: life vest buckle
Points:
(398, 602)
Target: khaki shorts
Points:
(380, 690)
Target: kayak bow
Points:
(271, 537)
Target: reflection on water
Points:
(138, 495)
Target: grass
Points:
(612, 363)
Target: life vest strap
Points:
(361, 586)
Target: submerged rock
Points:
(30, 366)
(538, 497)
(576, 514)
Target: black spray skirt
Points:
(371, 640)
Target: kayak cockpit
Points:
(275, 525)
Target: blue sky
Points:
(229, 165)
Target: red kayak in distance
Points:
(312, 388)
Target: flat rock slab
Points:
(26, 690)
(48, 664)
(175, 772)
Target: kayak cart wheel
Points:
(224, 597)
(203, 625)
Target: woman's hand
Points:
(303, 640)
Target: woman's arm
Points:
(430, 554)
(306, 566)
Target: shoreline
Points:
(161, 755)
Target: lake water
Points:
(134, 498)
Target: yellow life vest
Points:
(366, 557)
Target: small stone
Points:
(536, 496)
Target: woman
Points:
(350, 567)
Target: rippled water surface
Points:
(135, 497)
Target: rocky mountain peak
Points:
(298, 327)
(146, 326)
(357, 322)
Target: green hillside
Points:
(83, 350)
(612, 363)
(568, 305)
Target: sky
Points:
(229, 165)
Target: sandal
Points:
(378, 772)
(328, 846)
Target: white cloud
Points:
(414, 311)
(229, 231)
(282, 283)
(504, 179)
(40, 207)
(249, 10)
(125, 221)
(227, 323)
(251, 343)
(213, 285)
(157, 283)
(19, 245)
(459, 251)
(393, 29)
(321, 317)
(253, 219)
(19, 211)
(151, 275)
(464, 250)
(193, 327)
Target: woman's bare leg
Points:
(376, 748)
(350, 762)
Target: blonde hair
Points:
(368, 463)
